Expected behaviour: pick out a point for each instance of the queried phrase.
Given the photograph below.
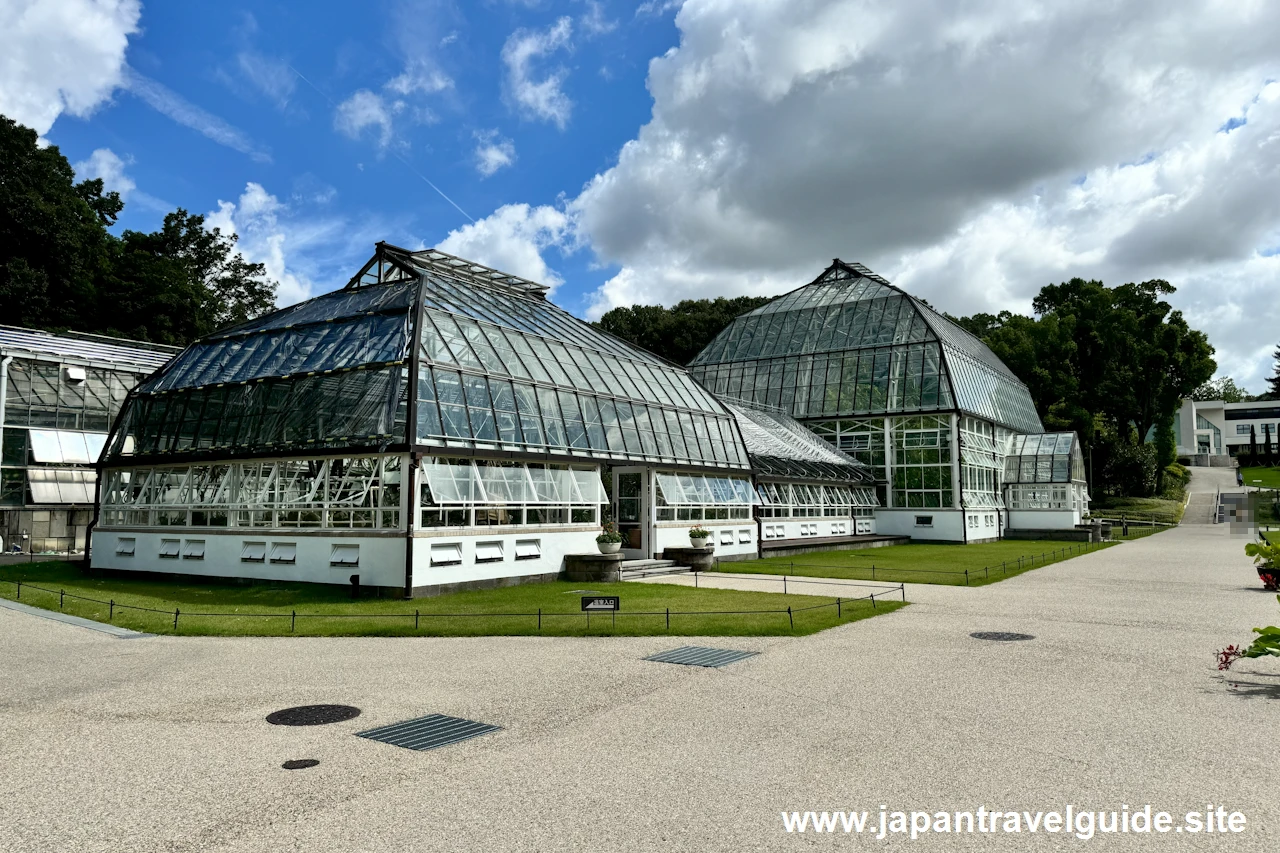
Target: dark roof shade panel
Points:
(779, 446)
(500, 368)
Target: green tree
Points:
(1224, 389)
(1273, 381)
(61, 268)
(680, 332)
(1117, 359)
(53, 233)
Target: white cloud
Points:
(106, 164)
(367, 109)
(256, 220)
(973, 153)
(61, 56)
(419, 77)
(307, 249)
(493, 152)
(512, 239)
(270, 75)
(172, 105)
(593, 22)
(538, 98)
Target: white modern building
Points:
(1211, 432)
(59, 394)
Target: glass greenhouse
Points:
(1046, 472)
(430, 402)
(883, 377)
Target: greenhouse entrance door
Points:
(631, 511)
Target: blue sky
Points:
(276, 73)
(647, 151)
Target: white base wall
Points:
(1043, 519)
(947, 526)
(477, 548)
(800, 529)
(731, 538)
(381, 557)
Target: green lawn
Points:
(1137, 508)
(1273, 536)
(986, 562)
(1270, 477)
(328, 611)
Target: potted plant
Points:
(698, 536)
(1266, 557)
(610, 540)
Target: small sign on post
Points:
(601, 602)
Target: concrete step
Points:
(1200, 509)
(649, 568)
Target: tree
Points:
(53, 233)
(1273, 381)
(680, 332)
(1224, 389)
(1118, 357)
(61, 268)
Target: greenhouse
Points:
(885, 378)
(807, 489)
(434, 423)
(1045, 486)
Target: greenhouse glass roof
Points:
(781, 448)
(1053, 457)
(486, 364)
(851, 344)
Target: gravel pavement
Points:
(160, 744)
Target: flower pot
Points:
(609, 547)
(700, 542)
(1270, 577)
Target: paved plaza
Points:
(160, 743)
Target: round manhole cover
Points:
(313, 715)
(1001, 636)
(299, 764)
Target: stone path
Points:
(161, 744)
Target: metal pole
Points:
(111, 612)
(791, 618)
(293, 621)
(539, 620)
(838, 613)
(415, 620)
(668, 618)
(175, 618)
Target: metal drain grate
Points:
(701, 656)
(300, 764)
(429, 732)
(313, 715)
(1001, 636)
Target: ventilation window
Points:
(489, 552)
(125, 547)
(744, 535)
(344, 556)
(284, 552)
(446, 554)
(924, 521)
(170, 548)
(193, 549)
(253, 552)
(726, 537)
(528, 549)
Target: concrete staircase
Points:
(632, 569)
(1200, 509)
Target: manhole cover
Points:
(313, 715)
(701, 656)
(1001, 636)
(300, 764)
(429, 732)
